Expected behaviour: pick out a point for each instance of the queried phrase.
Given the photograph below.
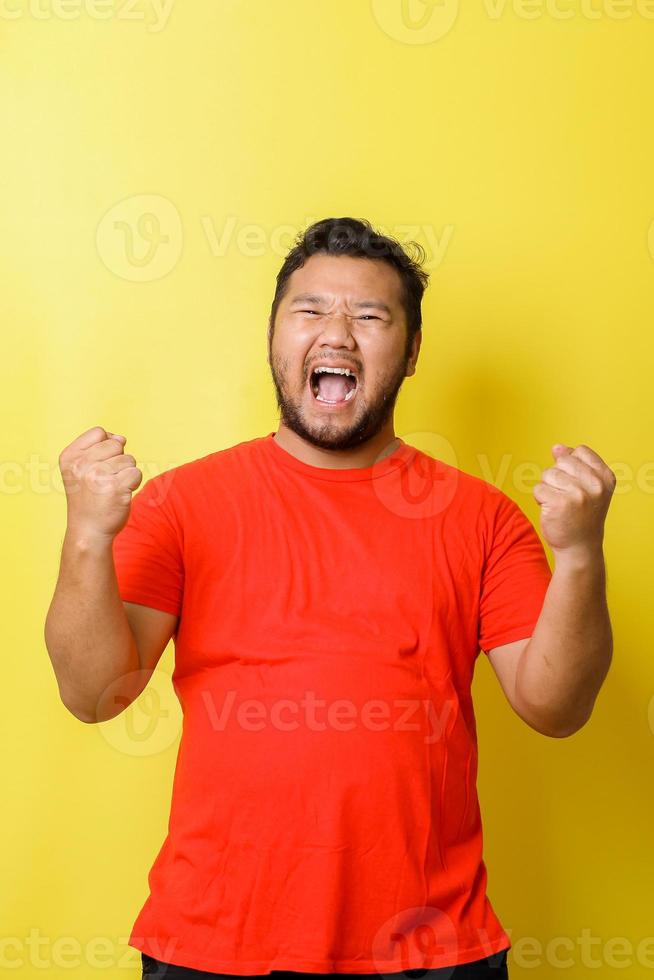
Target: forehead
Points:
(347, 277)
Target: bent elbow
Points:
(94, 717)
(560, 732)
(87, 717)
(565, 729)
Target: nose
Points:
(336, 331)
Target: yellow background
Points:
(517, 137)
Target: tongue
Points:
(333, 387)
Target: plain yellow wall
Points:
(156, 161)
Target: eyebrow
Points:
(361, 304)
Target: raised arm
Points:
(553, 678)
(102, 650)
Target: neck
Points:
(369, 452)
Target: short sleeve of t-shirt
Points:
(515, 577)
(147, 551)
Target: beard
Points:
(369, 416)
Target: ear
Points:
(413, 357)
(269, 337)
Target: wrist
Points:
(579, 557)
(87, 541)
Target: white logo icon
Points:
(416, 21)
(140, 238)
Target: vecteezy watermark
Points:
(423, 937)
(425, 486)
(583, 950)
(429, 478)
(144, 723)
(426, 937)
(43, 476)
(140, 238)
(426, 21)
(154, 14)
(419, 937)
(523, 475)
(140, 713)
(68, 952)
(254, 240)
(568, 9)
(416, 21)
(317, 714)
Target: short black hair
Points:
(357, 237)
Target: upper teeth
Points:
(333, 370)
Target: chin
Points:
(337, 434)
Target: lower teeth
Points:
(327, 401)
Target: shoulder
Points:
(231, 457)
(464, 489)
(193, 477)
(465, 506)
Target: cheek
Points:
(293, 346)
(381, 367)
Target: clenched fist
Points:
(574, 497)
(99, 479)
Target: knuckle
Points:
(94, 470)
(96, 432)
(97, 476)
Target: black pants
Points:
(490, 968)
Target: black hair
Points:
(351, 236)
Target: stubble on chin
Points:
(334, 434)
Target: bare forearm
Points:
(562, 668)
(87, 632)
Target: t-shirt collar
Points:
(388, 464)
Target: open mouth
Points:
(333, 385)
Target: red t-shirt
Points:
(324, 815)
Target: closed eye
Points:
(366, 316)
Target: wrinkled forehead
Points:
(344, 279)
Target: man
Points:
(329, 588)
